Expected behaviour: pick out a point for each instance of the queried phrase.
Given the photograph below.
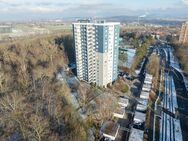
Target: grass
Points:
(59, 27)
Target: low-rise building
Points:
(144, 95)
(142, 105)
(139, 118)
(110, 130)
(119, 113)
(136, 135)
(124, 102)
(120, 110)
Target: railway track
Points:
(170, 128)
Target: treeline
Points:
(141, 51)
(181, 51)
(68, 45)
(34, 105)
(153, 68)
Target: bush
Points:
(125, 89)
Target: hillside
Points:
(181, 53)
(33, 104)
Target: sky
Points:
(51, 9)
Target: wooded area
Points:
(181, 51)
(34, 105)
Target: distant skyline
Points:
(47, 9)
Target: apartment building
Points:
(184, 34)
(96, 47)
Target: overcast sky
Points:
(50, 9)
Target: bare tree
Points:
(39, 126)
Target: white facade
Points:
(96, 47)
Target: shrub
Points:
(125, 89)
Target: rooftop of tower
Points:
(94, 21)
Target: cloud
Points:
(83, 8)
(5, 1)
(32, 7)
(45, 6)
(185, 1)
(45, 10)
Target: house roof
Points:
(123, 102)
(136, 135)
(110, 129)
(139, 117)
